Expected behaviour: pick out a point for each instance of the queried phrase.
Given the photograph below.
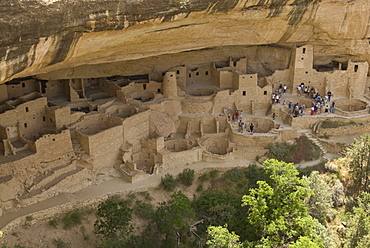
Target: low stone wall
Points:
(260, 140)
(172, 159)
(344, 130)
(338, 111)
(217, 158)
(307, 122)
(132, 176)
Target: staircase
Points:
(343, 152)
(307, 133)
(274, 131)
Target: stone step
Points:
(315, 141)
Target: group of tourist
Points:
(276, 96)
(320, 104)
(238, 116)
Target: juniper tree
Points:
(277, 209)
(359, 162)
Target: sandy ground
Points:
(42, 234)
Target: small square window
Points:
(197, 73)
(244, 93)
(206, 73)
(178, 72)
(25, 125)
(265, 92)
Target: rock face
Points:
(57, 39)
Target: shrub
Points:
(28, 221)
(200, 187)
(233, 175)
(280, 150)
(214, 174)
(302, 149)
(204, 177)
(72, 218)
(143, 210)
(29, 218)
(168, 182)
(186, 177)
(54, 222)
(146, 195)
(254, 173)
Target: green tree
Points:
(359, 162)
(305, 242)
(277, 210)
(186, 177)
(320, 203)
(113, 220)
(174, 217)
(220, 237)
(358, 224)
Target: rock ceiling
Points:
(55, 39)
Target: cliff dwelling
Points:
(65, 132)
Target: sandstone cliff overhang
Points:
(68, 39)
